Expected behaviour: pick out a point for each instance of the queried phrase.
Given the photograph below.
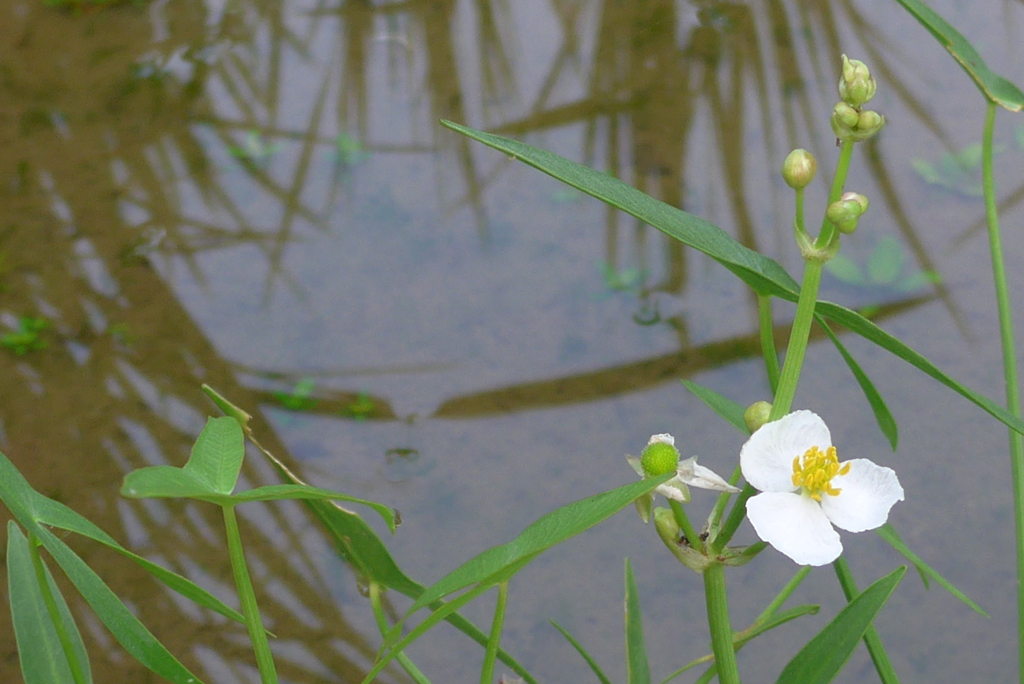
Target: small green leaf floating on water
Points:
(299, 399)
(958, 172)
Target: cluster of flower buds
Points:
(856, 86)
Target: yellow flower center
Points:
(815, 470)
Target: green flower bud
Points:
(799, 168)
(672, 537)
(845, 212)
(856, 86)
(756, 415)
(845, 115)
(869, 123)
(659, 456)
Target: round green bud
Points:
(856, 86)
(658, 458)
(846, 115)
(869, 123)
(799, 168)
(844, 212)
(756, 415)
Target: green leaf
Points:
(306, 492)
(760, 272)
(824, 655)
(212, 468)
(550, 530)
(854, 322)
(637, 669)
(887, 533)
(995, 88)
(594, 667)
(40, 653)
(727, 409)
(886, 423)
(33, 510)
(360, 546)
(125, 627)
(764, 275)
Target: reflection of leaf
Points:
(845, 269)
(27, 338)
(884, 268)
(958, 172)
(885, 262)
(299, 398)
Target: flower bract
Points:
(805, 489)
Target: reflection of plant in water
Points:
(625, 280)
(885, 267)
(255, 149)
(298, 399)
(121, 334)
(361, 408)
(955, 171)
(27, 337)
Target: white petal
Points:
(869, 491)
(664, 438)
(767, 457)
(698, 476)
(795, 525)
(634, 463)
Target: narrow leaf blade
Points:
(594, 667)
(638, 670)
(40, 652)
(887, 533)
(549, 530)
(993, 86)
(125, 627)
(727, 409)
(824, 656)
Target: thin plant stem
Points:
(247, 598)
(487, 671)
(1009, 363)
(718, 621)
(886, 672)
(766, 325)
(382, 624)
(684, 524)
(783, 595)
(77, 672)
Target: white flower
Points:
(805, 490)
(687, 473)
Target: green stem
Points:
(718, 621)
(487, 672)
(828, 231)
(798, 337)
(247, 597)
(1009, 364)
(77, 672)
(684, 524)
(382, 625)
(767, 326)
(886, 672)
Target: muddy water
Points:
(258, 196)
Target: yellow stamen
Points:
(815, 470)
